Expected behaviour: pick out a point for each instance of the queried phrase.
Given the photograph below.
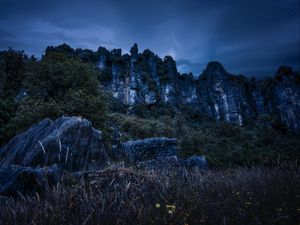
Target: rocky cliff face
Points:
(287, 98)
(144, 78)
(222, 96)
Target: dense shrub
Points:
(222, 143)
(137, 128)
(54, 86)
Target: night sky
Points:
(250, 37)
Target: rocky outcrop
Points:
(68, 141)
(36, 158)
(287, 98)
(144, 78)
(149, 148)
(159, 153)
(222, 96)
(161, 163)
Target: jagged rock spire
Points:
(134, 49)
(214, 70)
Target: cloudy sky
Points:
(248, 37)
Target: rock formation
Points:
(149, 148)
(69, 141)
(144, 78)
(36, 158)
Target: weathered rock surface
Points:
(144, 78)
(35, 159)
(287, 98)
(222, 96)
(27, 180)
(149, 148)
(159, 153)
(163, 162)
(70, 141)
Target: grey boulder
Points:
(164, 162)
(68, 141)
(149, 148)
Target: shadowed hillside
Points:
(104, 138)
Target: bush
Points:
(55, 86)
(222, 143)
(137, 128)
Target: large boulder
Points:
(149, 148)
(68, 141)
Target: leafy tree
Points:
(12, 71)
(56, 85)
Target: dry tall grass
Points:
(244, 196)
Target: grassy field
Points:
(255, 195)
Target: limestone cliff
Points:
(144, 78)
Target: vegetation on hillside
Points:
(66, 82)
(223, 144)
(259, 181)
(54, 86)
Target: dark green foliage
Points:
(166, 69)
(7, 112)
(65, 82)
(105, 75)
(154, 111)
(13, 68)
(162, 72)
(134, 127)
(87, 55)
(56, 85)
(223, 144)
(56, 74)
(63, 49)
(69, 86)
(12, 72)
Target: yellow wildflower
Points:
(173, 207)
(170, 211)
(157, 205)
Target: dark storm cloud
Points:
(248, 37)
